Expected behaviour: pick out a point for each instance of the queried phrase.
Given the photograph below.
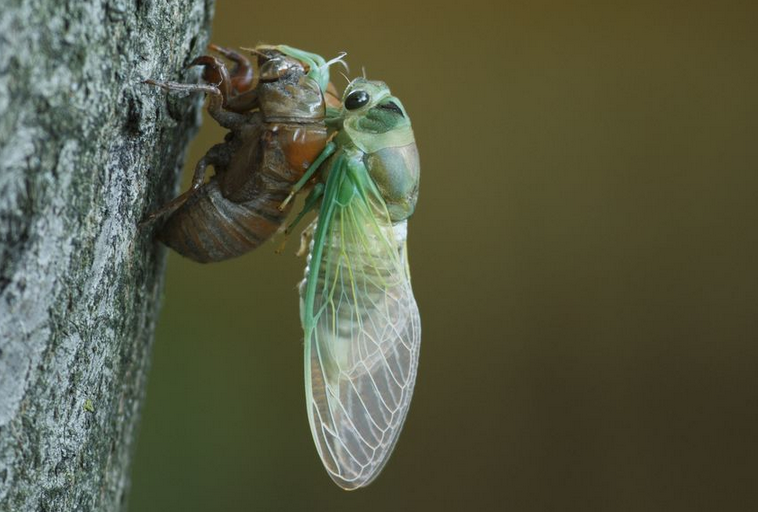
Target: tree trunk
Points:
(85, 151)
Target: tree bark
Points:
(85, 151)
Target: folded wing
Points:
(362, 330)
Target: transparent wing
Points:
(362, 330)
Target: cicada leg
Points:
(243, 76)
(310, 203)
(225, 118)
(218, 156)
(215, 73)
(238, 88)
(330, 148)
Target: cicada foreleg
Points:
(310, 203)
(244, 75)
(227, 119)
(215, 73)
(238, 87)
(330, 148)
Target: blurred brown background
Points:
(584, 256)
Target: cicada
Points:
(358, 158)
(360, 318)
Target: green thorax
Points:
(374, 129)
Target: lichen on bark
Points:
(85, 150)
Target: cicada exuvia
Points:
(274, 107)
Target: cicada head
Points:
(372, 118)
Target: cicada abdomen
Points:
(274, 108)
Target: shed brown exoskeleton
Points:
(274, 107)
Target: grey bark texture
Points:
(85, 151)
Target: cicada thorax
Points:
(395, 171)
(263, 157)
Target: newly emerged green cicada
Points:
(361, 321)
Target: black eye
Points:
(356, 99)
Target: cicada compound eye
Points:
(356, 99)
